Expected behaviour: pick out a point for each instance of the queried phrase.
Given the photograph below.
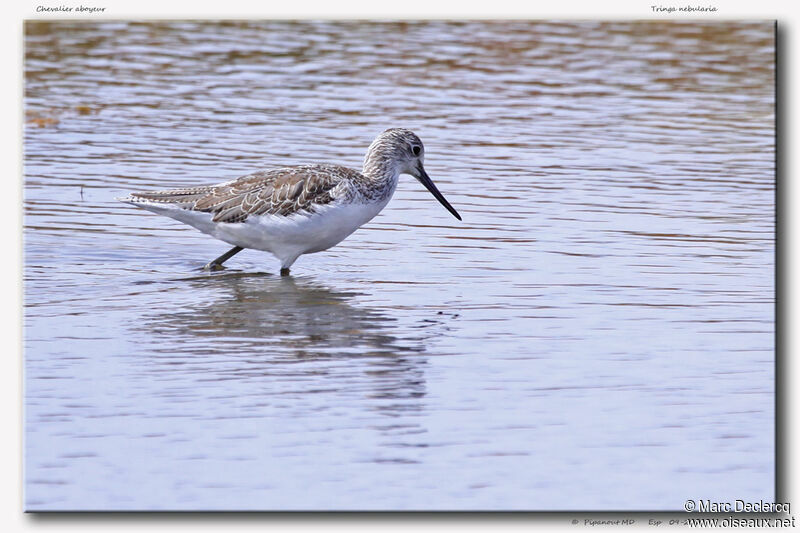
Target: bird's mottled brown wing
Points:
(281, 192)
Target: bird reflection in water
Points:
(258, 325)
(257, 313)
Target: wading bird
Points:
(297, 210)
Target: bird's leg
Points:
(284, 271)
(216, 264)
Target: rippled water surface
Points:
(598, 332)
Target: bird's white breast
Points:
(286, 237)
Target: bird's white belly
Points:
(286, 237)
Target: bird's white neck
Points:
(379, 166)
(382, 170)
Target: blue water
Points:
(597, 334)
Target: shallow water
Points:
(598, 332)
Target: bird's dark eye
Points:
(416, 149)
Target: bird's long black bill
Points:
(426, 181)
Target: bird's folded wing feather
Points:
(280, 192)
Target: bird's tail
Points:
(183, 198)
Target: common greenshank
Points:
(297, 210)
